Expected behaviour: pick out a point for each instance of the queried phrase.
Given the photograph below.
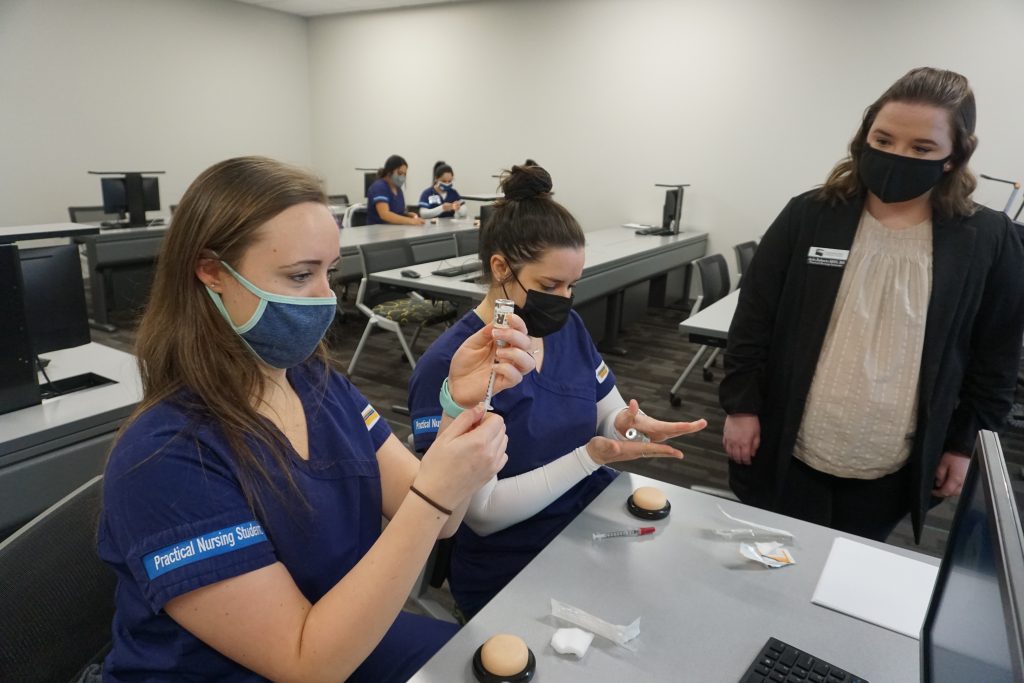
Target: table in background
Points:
(16, 233)
(710, 326)
(705, 610)
(48, 450)
(428, 240)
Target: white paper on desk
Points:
(877, 586)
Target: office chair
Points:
(391, 315)
(744, 255)
(57, 596)
(467, 242)
(91, 214)
(355, 215)
(172, 208)
(714, 284)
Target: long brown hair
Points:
(939, 88)
(186, 351)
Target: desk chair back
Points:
(90, 214)
(467, 242)
(435, 250)
(56, 595)
(714, 284)
(355, 216)
(744, 255)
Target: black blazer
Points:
(969, 362)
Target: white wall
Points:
(750, 101)
(171, 85)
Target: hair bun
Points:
(526, 182)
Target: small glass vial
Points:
(502, 309)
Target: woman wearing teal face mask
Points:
(242, 502)
(385, 200)
(879, 325)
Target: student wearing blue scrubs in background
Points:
(385, 200)
(442, 200)
(565, 421)
(243, 499)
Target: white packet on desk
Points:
(752, 530)
(620, 635)
(769, 554)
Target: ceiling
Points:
(314, 8)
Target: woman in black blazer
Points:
(860, 365)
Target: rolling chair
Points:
(391, 315)
(91, 214)
(714, 284)
(57, 599)
(355, 216)
(744, 255)
(467, 242)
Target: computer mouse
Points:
(410, 273)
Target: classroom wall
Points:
(170, 85)
(751, 102)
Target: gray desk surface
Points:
(608, 248)
(705, 611)
(372, 234)
(15, 233)
(78, 411)
(712, 322)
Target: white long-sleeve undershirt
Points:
(436, 211)
(500, 503)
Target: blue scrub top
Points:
(175, 519)
(380, 191)
(547, 415)
(430, 199)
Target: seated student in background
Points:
(242, 501)
(442, 200)
(385, 201)
(879, 325)
(565, 421)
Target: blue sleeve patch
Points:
(215, 543)
(426, 425)
(380, 199)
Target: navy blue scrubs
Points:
(380, 191)
(175, 519)
(548, 414)
(430, 199)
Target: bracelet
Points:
(448, 404)
(424, 496)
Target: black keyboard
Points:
(452, 271)
(779, 662)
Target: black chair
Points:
(433, 250)
(391, 315)
(91, 214)
(172, 207)
(714, 284)
(744, 255)
(467, 242)
(56, 595)
(485, 213)
(355, 216)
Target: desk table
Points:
(47, 450)
(16, 233)
(432, 239)
(705, 610)
(710, 326)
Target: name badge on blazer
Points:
(823, 256)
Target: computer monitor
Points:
(369, 178)
(974, 628)
(485, 213)
(18, 385)
(54, 298)
(131, 194)
(670, 213)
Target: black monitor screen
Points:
(973, 630)
(669, 219)
(54, 298)
(115, 194)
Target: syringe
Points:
(502, 309)
(642, 531)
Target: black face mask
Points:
(895, 178)
(542, 313)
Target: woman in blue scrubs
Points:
(242, 502)
(565, 421)
(442, 200)
(385, 200)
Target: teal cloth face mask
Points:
(284, 330)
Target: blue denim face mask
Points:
(285, 330)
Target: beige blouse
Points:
(861, 412)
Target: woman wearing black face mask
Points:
(564, 422)
(879, 325)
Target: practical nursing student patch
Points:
(191, 550)
(370, 416)
(601, 372)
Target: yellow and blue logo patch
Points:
(601, 372)
(370, 416)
